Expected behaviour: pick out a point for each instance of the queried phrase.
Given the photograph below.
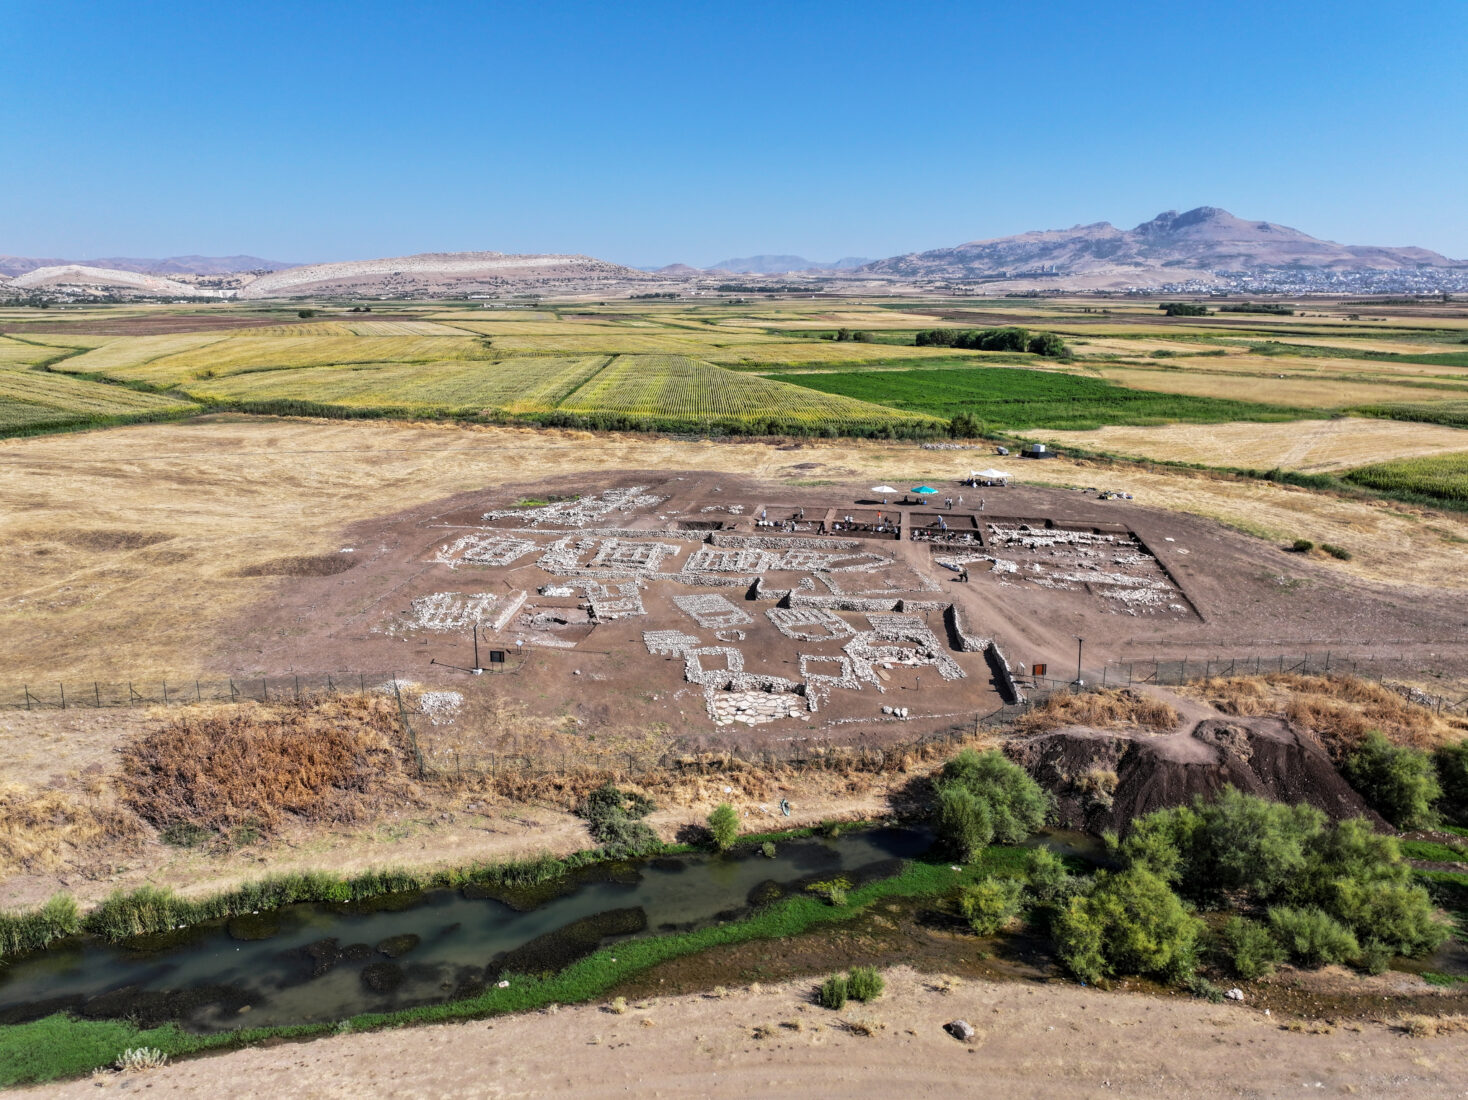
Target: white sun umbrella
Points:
(885, 490)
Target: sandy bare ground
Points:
(1043, 1040)
(123, 549)
(1310, 445)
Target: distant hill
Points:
(778, 265)
(173, 265)
(1169, 248)
(90, 280)
(443, 274)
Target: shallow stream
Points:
(313, 963)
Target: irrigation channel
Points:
(317, 963)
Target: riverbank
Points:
(1033, 1039)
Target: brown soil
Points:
(1042, 1040)
(1105, 780)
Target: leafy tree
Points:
(305, 313)
(1397, 782)
(990, 904)
(1002, 796)
(1451, 762)
(965, 426)
(724, 825)
(1184, 309)
(1312, 936)
(1131, 923)
(1047, 344)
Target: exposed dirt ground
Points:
(125, 554)
(1042, 1040)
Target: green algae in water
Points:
(254, 926)
(395, 947)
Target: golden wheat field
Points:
(1311, 446)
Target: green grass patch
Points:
(1432, 851)
(1006, 398)
(1441, 477)
(1452, 414)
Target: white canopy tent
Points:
(989, 477)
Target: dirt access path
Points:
(1044, 1040)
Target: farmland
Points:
(1443, 477)
(768, 365)
(1005, 398)
(32, 401)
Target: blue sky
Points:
(652, 133)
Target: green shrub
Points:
(990, 904)
(833, 992)
(1247, 949)
(1451, 762)
(767, 849)
(963, 822)
(1397, 782)
(55, 919)
(1302, 546)
(986, 796)
(1131, 923)
(724, 826)
(1048, 880)
(1338, 552)
(1312, 937)
(864, 984)
(1398, 916)
(612, 818)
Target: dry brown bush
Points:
(1428, 1027)
(1110, 709)
(1337, 710)
(41, 830)
(323, 760)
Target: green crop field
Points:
(1441, 477)
(1453, 414)
(683, 389)
(35, 400)
(1012, 398)
(532, 384)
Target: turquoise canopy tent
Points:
(925, 490)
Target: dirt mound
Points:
(1102, 780)
(318, 565)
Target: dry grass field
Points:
(1265, 386)
(128, 547)
(1313, 446)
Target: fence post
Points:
(233, 691)
(27, 689)
(97, 694)
(298, 688)
(264, 690)
(63, 695)
(165, 692)
(1327, 660)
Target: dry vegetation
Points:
(1312, 446)
(324, 761)
(43, 829)
(1119, 708)
(1337, 710)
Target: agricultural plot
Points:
(826, 351)
(123, 353)
(533, 384)
(401, 328)
(1310, 446)
(1440, 477)
(237, 354)
(31, 400)
(677, 387)
(1265, 387)
(1010, 398)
